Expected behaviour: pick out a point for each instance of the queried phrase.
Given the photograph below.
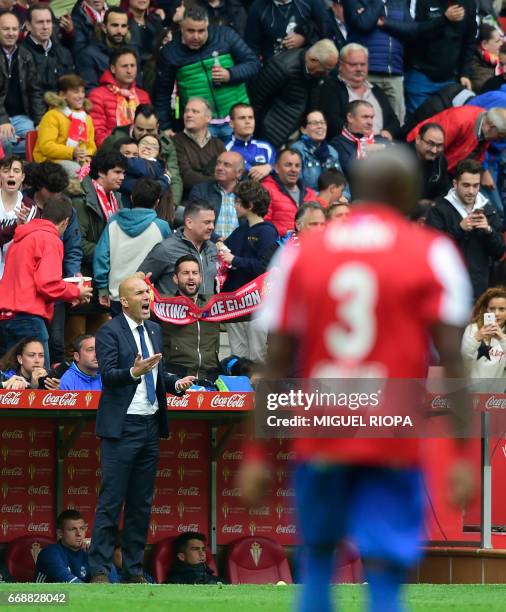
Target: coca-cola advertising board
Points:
(27, 478)
(275, 517)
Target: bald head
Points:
(229, 169)
(126, 284)
(390, 177)
(135, 297)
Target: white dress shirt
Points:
(140, 403)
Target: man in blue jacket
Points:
(212, 62)
(67, 560)
(83, 373)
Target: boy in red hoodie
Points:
(32, 280)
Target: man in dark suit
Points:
(132, 416)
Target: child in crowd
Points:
(146, 165)
(332, 187)
(11, 202)
(66, 134)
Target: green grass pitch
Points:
(247, 598)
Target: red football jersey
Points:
(361, 299)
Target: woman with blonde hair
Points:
(484, 342)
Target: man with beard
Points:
(191, 350)
(113, 34)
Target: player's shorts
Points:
(380, 509)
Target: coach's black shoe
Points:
(99, 578)
(135, 580)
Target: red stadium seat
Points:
(22, 554)
(163, 559)
(31, 140)
(348, 565)
(257, 561)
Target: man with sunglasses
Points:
(429, 148)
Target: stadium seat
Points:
(348, 567)
(163, 558)
(31, 140)
(257, 561)
(22, 554)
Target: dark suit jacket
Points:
(116, 352)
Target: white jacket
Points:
(482, 367)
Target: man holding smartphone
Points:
(467, 216)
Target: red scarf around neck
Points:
(361, 142)
(108, 204)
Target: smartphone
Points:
(489, 318)
(57, 372)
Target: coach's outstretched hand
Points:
(143, 366)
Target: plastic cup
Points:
(77, 280)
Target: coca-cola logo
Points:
(286, 529)
(38, 490)
(175, 401)
(13, 509)
(290, 456)
(12, 434)
(495, 402)
(165, 473)
(82, 453)
(439, 402)
(236, 400)
(161, 509)
(10, 398)
(285, 492)
(233, 455)
(182, 528)
(83, 490)
(66, 399)
(189, 454)
(40, 452)
(15, 471)
(238, 528)
(231, 492)
(38, 527)
(188, 491)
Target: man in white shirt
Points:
(131, 417)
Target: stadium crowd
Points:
(189, 141)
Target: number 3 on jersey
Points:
(354, 287)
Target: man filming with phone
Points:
(468, 217)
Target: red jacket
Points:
(103, 112)
(282, 208)
(460, 134)
(32, 280)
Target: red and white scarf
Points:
(95, 16)
(108, 203)
(126, 103)
(361, 142)
(490, 58)
(78, 129)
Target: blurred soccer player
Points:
(361, 300)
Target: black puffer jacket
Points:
(281, 95)
(31, 91)
(269, 22)
(51, 65)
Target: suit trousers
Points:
(128, 476)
